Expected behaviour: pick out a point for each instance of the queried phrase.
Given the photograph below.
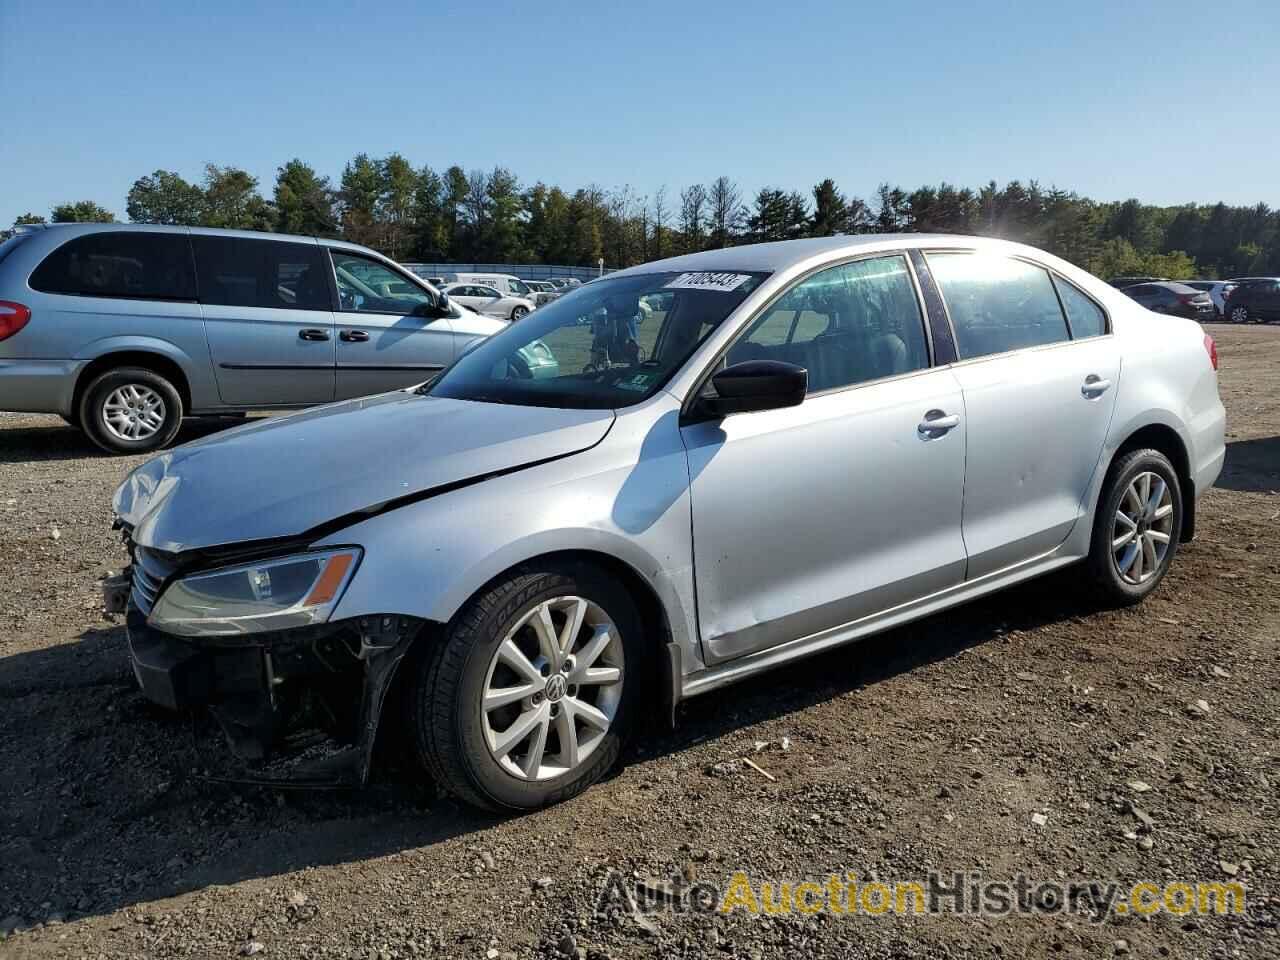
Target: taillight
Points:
(1211, 348)
(13, 317)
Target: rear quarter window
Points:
(142, 266)
(1087, 319)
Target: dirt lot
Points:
(931, 747)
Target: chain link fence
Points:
(525, 271)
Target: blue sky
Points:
(1168, 101)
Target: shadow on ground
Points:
(1252, 466)
(61, 441)
(106, 808)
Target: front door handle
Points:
(1095, 386)
(936, 423)
(353, 336)
(313, 334)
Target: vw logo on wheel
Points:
(557, 686)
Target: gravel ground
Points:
(1026, 733)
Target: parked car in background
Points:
(1121, 282)
(565, 284)
(820, 440)
(490, 301)
(504, 283)
(1175, 299)
(1218, 291)
(125, 329)
(1254, 299)
(543, 291)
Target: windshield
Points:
(610, 343)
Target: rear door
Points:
(267, 310)
(385, 340)
(1038, 401)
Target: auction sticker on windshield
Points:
(708, 281)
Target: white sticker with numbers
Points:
(723, 282)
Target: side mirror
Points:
(432, 311)
(756, 385)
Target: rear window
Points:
(141, 266)
(998, 304)
(239, 272)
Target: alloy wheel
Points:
(553, 688)
(133, 412)
(1143, 528)
(1239, 314)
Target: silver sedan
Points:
(801, 444)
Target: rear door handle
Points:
(313, 334)
(1095, 386)
(353, 336)
(936, 423)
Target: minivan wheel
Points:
(131, 410)
(1239, 314)
(1137, 527)
(529, 695)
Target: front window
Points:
(608, 344)
(367, 286)
(518, 287)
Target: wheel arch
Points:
(1164, 438)
(160, 363)
(664, 667)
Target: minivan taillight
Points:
(13, 317)
(1211, 348)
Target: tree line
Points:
(418, 213)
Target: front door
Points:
(384, 343)
(269, 319)
(1038, 394)
(815, 516)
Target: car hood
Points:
(285, 476)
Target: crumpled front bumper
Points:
(297, 707)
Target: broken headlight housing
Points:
(274, 594)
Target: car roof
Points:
(784, 254)
(85, 228)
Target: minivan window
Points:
(240, 272)
(847, 324)
(135, 265)
(367, 286)
(997, 303)
(1085, 316)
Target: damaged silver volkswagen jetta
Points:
(747, 456)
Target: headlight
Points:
(267, 595)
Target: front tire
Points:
(530, 694)
(1239, 314)
(1137, 527)
(131, 410)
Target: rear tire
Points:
(467, 748)
(1136, 528)
(1239, 315)
(131, 410)
(518, 313)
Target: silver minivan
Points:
(124, 329)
